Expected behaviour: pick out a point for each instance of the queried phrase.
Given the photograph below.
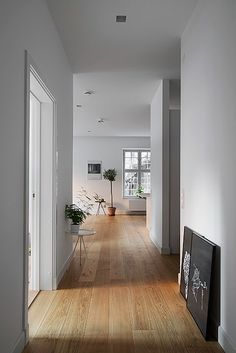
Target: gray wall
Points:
(156, 167)
(26, 24)
(208, 168)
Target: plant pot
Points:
(111, 211)
(74, 228)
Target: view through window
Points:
(136, 171)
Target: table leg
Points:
(103, 209)
(80, 250)
(98, 210)
(84, 246)
(75, 246)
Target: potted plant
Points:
(139, 192)
(110, 174)
(77, 216)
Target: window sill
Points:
(135, 197)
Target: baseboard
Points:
(155, 242)
(162, 251)
(130, 213)
(159, 248)
(20, 343)
(124, 212)
(63, 270)
(226, 342)
(165, 251)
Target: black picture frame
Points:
(186, 259)
(200, 278)
(94, 170)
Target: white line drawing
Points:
(198, 284)
(186, 268)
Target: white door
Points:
(34, 192)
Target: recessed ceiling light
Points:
(89, 131)
(100, 120)
(121, 18)
(89, 92)
(78, 105)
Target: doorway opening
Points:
(34, 195)
(40, 188)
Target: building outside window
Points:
(136, 171)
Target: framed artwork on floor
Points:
(199, 283)
(186, 258)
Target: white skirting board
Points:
(20, 343)
(63, 270)
(162, 251)
(226, 342)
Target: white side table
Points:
(80, 238)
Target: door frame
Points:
(31, 68)
(35, 204)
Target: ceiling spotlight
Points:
(89, 92)
(89, 131)
(100, 120)
(78, 105)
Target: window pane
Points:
(131, 160)
(130, 183)
(146, 181)
(128, 163)
(146, 160)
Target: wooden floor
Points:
(124, 298)
(32, 294)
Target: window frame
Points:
(139, 170)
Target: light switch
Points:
(182, 199)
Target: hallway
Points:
(124, 298)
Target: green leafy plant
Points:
(110, 174)
(75, 213)
(139, 192)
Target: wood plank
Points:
(74, 325)
(38, 311)
(98, 317)
(120, 326)
(150, 341)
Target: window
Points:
(136, 171)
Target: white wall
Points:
(26, 24)
(109, 151)
(174, 213)
(165, 141)
(156, 167)
(208, 168)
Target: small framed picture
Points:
(94, 170)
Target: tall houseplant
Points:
(110, 174)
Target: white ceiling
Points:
(120, 62)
